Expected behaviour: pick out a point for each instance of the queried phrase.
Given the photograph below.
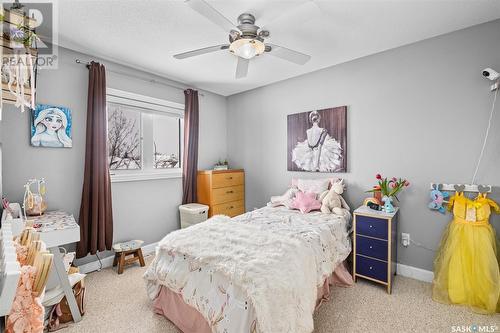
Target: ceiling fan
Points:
(246, 40)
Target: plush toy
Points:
(305, 202)
(285, 199)
(437, 198)
(388, 207)
(332, 201)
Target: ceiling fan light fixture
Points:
(247, 48)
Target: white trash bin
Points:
(193, 213)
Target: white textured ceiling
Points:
(147, 33)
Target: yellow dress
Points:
(466, 267)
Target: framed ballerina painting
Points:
(51, 126)
(317, 140)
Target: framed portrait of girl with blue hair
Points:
(51, 126)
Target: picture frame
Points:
(51, 126)
(317, 140)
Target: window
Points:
(124, 137)
(166, 141)
(145, 137)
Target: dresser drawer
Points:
(371, 247)
(227, 194)
(227, 179)
(372, 268)
(230, 209)
(371, 226)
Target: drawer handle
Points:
(371, 247)
(229, 178)
(371, 268)
(371, 226)
(229, 192)
(231, 207)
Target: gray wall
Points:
(142, 210)
(418, 111)
(425, 106)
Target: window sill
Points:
(148, 175)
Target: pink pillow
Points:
(305, 202)
(313, 185)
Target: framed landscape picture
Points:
(317, 140)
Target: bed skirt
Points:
(171, 305)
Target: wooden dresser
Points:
(223, 191)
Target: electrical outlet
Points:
(405, 239)
(495, 86)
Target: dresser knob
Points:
(229, 192)
(229, 178)
(231, 207)
(371, 268)
(371, 226)
(371, 247)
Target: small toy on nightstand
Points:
(375, 244)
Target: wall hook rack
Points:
(462, 187)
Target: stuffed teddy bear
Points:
(332, 201)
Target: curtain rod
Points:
(86, 63)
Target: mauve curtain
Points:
(190, 158)
(96, 216)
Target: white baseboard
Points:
(108, 261)
(414, 273)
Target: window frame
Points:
(148, 105)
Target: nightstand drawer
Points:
(371, 226)
(372, 268)
(371, 247)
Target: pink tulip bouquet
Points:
(389, 187)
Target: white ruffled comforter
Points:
(258, 272)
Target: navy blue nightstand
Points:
(375, 244)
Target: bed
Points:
(263, 271)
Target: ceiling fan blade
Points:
(211, 13)
(298, 14)
(242, 68)
(198, 52)
(289, 55)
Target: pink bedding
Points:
(189, 320)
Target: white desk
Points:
(56, 228)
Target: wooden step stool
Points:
(122, 250)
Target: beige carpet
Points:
(118, 303)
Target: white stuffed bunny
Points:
(285, 199)
(332, 201)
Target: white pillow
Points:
(317, 186)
